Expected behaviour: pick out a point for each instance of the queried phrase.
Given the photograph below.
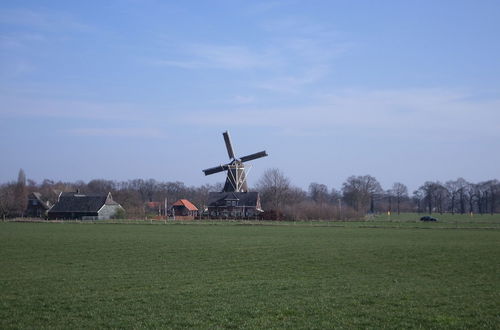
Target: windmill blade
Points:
(254, 156)
(215, 169)
(229, 147)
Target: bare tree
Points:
(319, 193)
(470, 192)
(360, 192)
(452, 187)
(418, 197)
(433, 194)
(494, 195)
(440, 195)
(335, 195)
(21, 193)
(101, 186)
(462, 187)
(131, 201)
(7, 200)
(274, 187)
(400, 192)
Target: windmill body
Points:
(234, 201)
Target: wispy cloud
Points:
(229, 57)
(17, 40)
(242, 99)
(263, 7)
(135, 120)
(293, 51)
(18, 106)
(294, 82)
(309, 53)
(20, 66)
(117, 132)
(404, 112)
(42, 19)
(298, 27)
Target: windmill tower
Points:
(236, 180)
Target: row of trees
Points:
(458, 196)
(359, 195)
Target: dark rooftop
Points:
(76, 202)
(244, 198)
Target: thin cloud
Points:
(19, 40)
(419, 113)
(294, 83)
(31, 107)
(228, 57)
(242, 99)
(117, 132)
(42, 19)
(292, 54)
(298, 27)
(264, 7)
(177, 64)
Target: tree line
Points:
(358, 196)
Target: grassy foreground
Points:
(72, 275)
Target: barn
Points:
(76, 206)
(234, 205)
(184, 210)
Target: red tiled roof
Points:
(153, 204)
(184, 202)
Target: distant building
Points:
(37, 206)
(153, 208)
(184, 210)
(234, 205)
(73, 205)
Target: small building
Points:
(37, 207)
(184, 210)
(76, 206)
(153, 208)
(234, 205)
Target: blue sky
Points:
(405, 91)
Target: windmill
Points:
(236, 180)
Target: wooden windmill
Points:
(236, 180)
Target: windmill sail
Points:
(215, 169)
(229, 147)
(254, 156)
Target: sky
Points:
(405, 91)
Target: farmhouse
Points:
(73, 205)
(184, 210)
(37, 207)
(234, 204)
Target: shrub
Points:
(119, 214)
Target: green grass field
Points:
(74, 275)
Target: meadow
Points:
(383, 273)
